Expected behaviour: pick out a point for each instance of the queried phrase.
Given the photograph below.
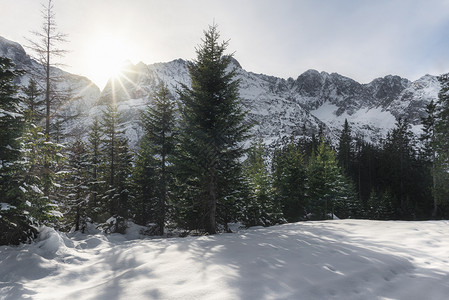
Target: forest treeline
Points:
(193, 169)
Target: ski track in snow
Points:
(343, 259)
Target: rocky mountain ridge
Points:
(277, 107)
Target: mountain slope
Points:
(281, 107)
(277, 107)
(83, 92)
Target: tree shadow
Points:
(291, 262)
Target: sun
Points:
(105, 58)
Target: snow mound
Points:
(52, 243)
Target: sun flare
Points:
(106, 57)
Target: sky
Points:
(360, 39)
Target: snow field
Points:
(340, 259)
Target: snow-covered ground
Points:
(341, 259)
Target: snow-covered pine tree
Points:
(211, 142)
(32, 177)
(76, 186)
(14, 222)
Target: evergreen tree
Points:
(289, 179)
(441, 172)
(11, 114)
(345, 148)
(95, 183)
(386, 204)
(260, 207)
(211, 143)
(372, 206)
(14, 222)
(328, 190)
(403, 173)
(33, 103)
(32, 177)
(159, 143)
(144, 184)
(428, 150)
(76, 185)
(116, 170)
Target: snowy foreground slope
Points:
(351, 259)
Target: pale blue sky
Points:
(361, 39)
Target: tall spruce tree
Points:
(144, 208)
(442, 145)
(76, 213)
(345, 148)
(260, 207)
(328, 189)
(211, 142)
(14, 222)
(428, 150)
(289, 181)
(397, 165)
(11, 114)
(94, 157)
(159, 124)
(34, 104)
(116, 161)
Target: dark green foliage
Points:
(210, 143)
(116, 170)
(379, 207)
(404, 174)
(428, 153)
(15, 225)
(30, 178)
(11, 117)
(95, 183)
(289, 181)
(441, 169)
(328, 190)
(34, 103)
(144, 184)
(153, 174)
(260, 205)
(345, 148)
(76, 185)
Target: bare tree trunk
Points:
(434, 182)
(47, 80)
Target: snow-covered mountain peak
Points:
(277, 107)
(15, 52)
